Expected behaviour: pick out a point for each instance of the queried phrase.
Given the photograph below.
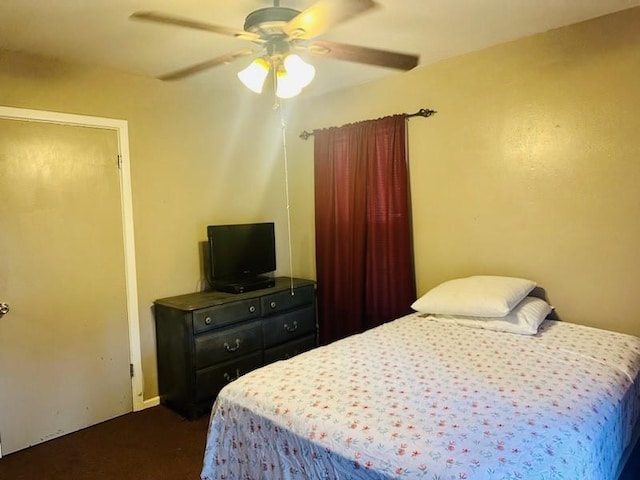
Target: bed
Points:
(435, 397)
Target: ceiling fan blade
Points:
(369, 56)
(158, 17)
(199, 67)
(324, 14)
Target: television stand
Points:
(244, 285)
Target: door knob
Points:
(4, 309)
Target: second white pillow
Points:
(524, 319)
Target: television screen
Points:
(240, 252)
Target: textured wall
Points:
(530, 168)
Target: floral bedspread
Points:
(425, 399)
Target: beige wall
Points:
(530, 168)
(197, 157)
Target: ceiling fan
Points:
(281, 31)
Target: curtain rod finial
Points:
(305, 135)
(424, 112)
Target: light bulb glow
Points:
(287, 86)
(255, 74)
(299, 69)
(292, 74)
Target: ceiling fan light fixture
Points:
(255, 74)
(292, 74)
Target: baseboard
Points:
(150, 402)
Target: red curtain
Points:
(364, 258)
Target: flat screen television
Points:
(238, 256)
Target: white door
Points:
(64, 343)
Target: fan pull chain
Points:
(286, 188)
(276, 101)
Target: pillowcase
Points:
(524, 319)
(479, 295)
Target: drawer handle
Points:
(252, 309)
(207, 320)
(272, 304)
(229, 348)
(291, 329)
(228, 378)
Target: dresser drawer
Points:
(290, 349)
(210, 380)
(282, 301)
(226, 343)
(212, 317)
(288, 326)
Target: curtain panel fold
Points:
(364, 257)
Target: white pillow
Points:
(480, 296)
(524, 319)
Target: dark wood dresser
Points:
(207, 339)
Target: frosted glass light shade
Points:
(254, 75)
(301, 71)
(287, 85)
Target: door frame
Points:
(121, 128)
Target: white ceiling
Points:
(99, 32)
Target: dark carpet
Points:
(153, 444)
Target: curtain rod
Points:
(423, 112)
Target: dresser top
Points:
(197, 300)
